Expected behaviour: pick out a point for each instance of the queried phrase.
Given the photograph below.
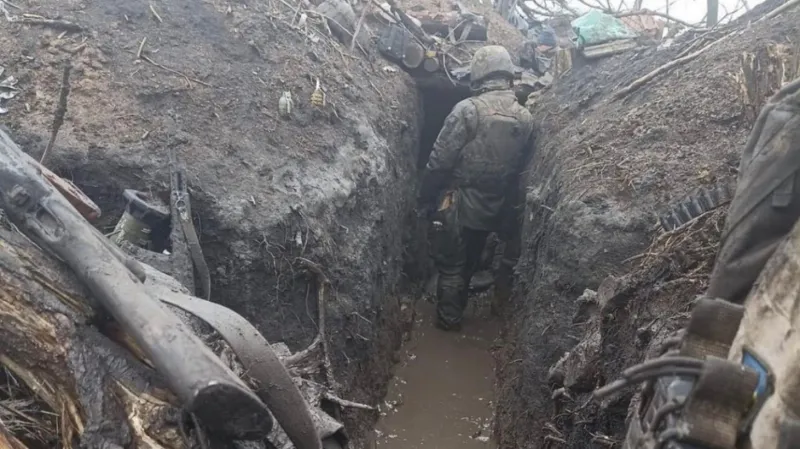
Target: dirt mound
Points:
(604, 171)
(329, 182)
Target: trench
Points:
(433, 389)
(441, 394)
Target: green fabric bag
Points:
(596, 27)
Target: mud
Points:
(442, 393)
(603, 171)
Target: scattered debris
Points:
(141, 56)
(8, 90)
(33, 19)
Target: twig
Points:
(648, 12)
(140, 55)
(61, 109)
(564, 5)
(345, 403)
(141, 48)
(666, 67)
(52, 23)
(7, 3)
(155, 13)
(410, 24)
(342, 27)
(358, 26)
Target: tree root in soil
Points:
(320, 342)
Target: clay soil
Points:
(604, 170)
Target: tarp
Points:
(596, 27)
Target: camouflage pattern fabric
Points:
(767, 200)
(476, 158)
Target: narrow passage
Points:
(443, 391)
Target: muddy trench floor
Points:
(442, 393)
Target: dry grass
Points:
(23, 415)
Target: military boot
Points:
(694, 398)
(503, 283)
(450, 301)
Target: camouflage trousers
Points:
(458, 252)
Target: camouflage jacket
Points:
(485, 143)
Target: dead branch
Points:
(63, 25)
(343, 28)
(155, 13)
(563, 4)
(665, 68)
(542, 11)
(785, 7)
(648, 12)
(61, 109)
(597, 5)
(410, 24)
(358, 26)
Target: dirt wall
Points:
(603, 171)
(331, 183)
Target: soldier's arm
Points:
(456, 132)
(515, 196)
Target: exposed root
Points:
(320, 344)
(322, 282)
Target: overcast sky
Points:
(689, 10)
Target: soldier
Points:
(716, 402)
(473, 176)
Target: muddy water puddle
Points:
(442, 394)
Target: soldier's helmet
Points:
(491, 60)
